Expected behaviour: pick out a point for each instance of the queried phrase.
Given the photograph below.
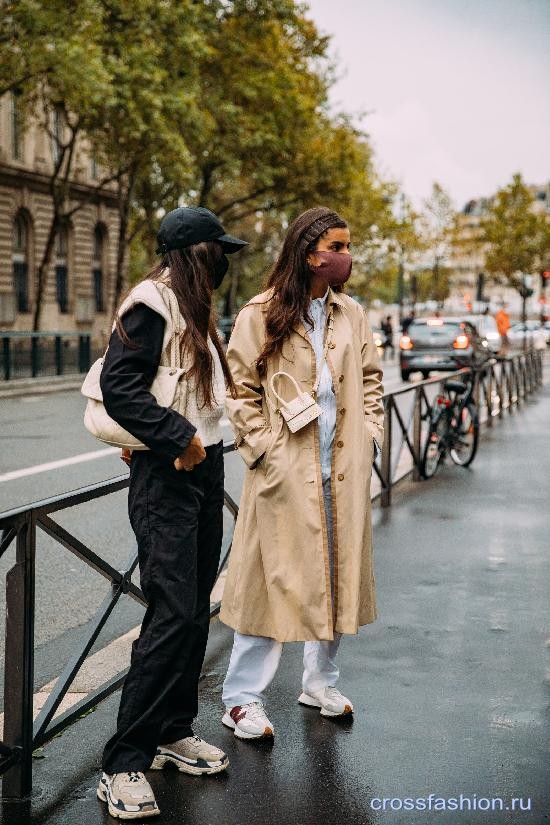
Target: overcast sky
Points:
(458, 90)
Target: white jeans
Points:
(254, 662)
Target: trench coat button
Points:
(340, 444)
(340, 476)
(331, 345)
(341, 378)
(342, 411)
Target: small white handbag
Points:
(301, 410)
(164, 387)
(304, 408)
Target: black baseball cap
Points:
(187, 225)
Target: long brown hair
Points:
(189, 276)
(290, 278)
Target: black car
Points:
(443, 344)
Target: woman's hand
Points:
(192, 455)
(126, 456)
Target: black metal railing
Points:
(32, 354)
(501, 385)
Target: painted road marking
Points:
(55, 465)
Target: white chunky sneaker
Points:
(329, 699)
(248, 721)
(191, 755)
(128, 795)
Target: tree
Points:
(438, 221)
(512, 233)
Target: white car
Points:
(488, 331)
(531, 332)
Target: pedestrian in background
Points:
(503, 325)
(387, 329)
(301, 564)
(175, 503)
(407, 321)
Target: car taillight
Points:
(461, 342)
(405, 342)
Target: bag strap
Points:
(290, 378)
(328, 341)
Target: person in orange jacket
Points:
(503, 324)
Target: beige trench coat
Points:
(278, 582)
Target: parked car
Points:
(443, 344)
(488, 330)
(531, 333)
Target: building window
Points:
(93, 168)
(20, 257)
(97, 268)
(16, 130)
(61, 270)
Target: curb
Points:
(19, 387)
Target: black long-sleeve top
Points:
(126, 376)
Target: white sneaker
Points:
(191, 755)
(248, 721)
(329, 699)
(128, 795)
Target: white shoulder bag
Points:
(303, 409)
(164, 386)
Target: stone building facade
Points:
(80, 281)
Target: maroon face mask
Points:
(334, 266)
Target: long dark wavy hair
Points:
(290, 278)
(188, 273)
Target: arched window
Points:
(98, 266)
(61, 268)
(20, 257)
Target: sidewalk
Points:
(451, 685)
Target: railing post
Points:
(385, 462)
(84, 350)
(19, 674)
(417, 432)
(500, 389)
(58, 355)
(6, 357)
(489, 395)
(35, 355)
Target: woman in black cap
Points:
(175, 502)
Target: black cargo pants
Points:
(177, 520)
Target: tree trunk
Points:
(125, 193)
(42, 271)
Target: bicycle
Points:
(453, 428)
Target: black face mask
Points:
(220, 270)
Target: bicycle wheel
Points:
(465, 437)
(435, 444)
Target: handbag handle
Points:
(330, 327)
(274, 391)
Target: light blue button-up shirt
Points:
(325, 393)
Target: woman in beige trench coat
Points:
(301, 562)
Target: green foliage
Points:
(514, 234)
(222, 103)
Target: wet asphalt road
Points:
(451, 685)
